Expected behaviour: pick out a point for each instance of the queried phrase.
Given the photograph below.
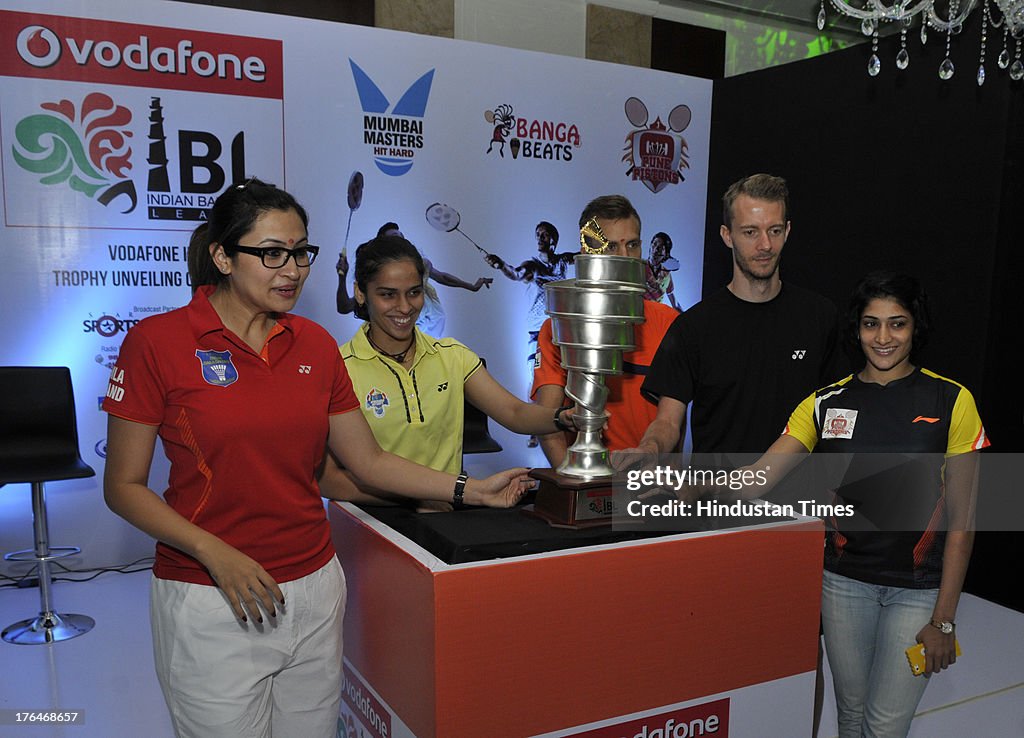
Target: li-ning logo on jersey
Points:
(217, 367)
(839, 423)
(799, 353)
(377, 401)
(396, 135)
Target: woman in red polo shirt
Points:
(247, 596)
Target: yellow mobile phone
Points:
(915, 655)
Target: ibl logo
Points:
(84, 147)
(201, 174)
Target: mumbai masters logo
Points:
(394, 133)
(656, 154)
(82, 147)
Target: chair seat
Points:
(42, 469)
(39, 444)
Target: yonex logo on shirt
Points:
(799, 353)
(442, 387)
(305, 368)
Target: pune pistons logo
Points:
(839, 423)
(217, 368)
(655, 153)
(38, 46)
(531, 138)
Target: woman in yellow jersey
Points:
(898, 543)
(411, 386)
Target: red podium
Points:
(697, 634)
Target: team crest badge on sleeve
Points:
(377, 401)
(839, 423)
(217, 367)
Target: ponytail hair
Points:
(201, 269)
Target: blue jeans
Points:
(868, 628)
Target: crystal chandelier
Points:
(944, 16)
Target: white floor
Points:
(108, 672)
(982, 695)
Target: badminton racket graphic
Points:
(355, 199)
(446, 218)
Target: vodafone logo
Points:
(41, 47)
(38, 46)
(111, 52)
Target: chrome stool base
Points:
(48, 627)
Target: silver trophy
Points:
(593, 319)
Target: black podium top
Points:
(481, 534)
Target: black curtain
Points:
(908, 172)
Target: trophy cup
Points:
(592, 318)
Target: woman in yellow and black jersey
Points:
(894, 569)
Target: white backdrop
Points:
(119, 122)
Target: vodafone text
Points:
(672, 729)
(41, 47)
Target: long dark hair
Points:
(887, 285)
(665, 239)
(233, 215)
(374, 254)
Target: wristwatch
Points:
(944, 625)
(460, 490)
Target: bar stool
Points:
(38, 444)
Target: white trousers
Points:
(223, 678)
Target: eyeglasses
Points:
(275, 257)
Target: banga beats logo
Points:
(86, 149)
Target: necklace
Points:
(400, 356)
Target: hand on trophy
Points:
(644, 456)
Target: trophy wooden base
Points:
(570, 502)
